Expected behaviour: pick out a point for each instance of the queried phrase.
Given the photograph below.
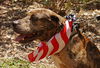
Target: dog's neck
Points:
(57, 30)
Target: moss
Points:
(14, 63)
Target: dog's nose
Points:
(98, 18)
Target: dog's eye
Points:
(54, 18)
(33, 18)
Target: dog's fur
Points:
(42, 24)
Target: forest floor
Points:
(11, 52)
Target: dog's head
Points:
(39, 24)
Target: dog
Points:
(42, 24)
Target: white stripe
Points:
(39, 55)
(60, 42)
(50, 47)
(40, 44)
(51, 39)
(68, 30)
(36, 51)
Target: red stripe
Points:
(55, 45)
(64, 35)
(45, 50)
(31, 57)
(70, 24)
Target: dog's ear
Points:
(54, 18)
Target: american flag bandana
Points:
(54, 45)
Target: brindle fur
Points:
(42, 23)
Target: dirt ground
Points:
(10, 12)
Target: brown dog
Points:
(42, 24)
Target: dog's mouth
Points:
(25, 38)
